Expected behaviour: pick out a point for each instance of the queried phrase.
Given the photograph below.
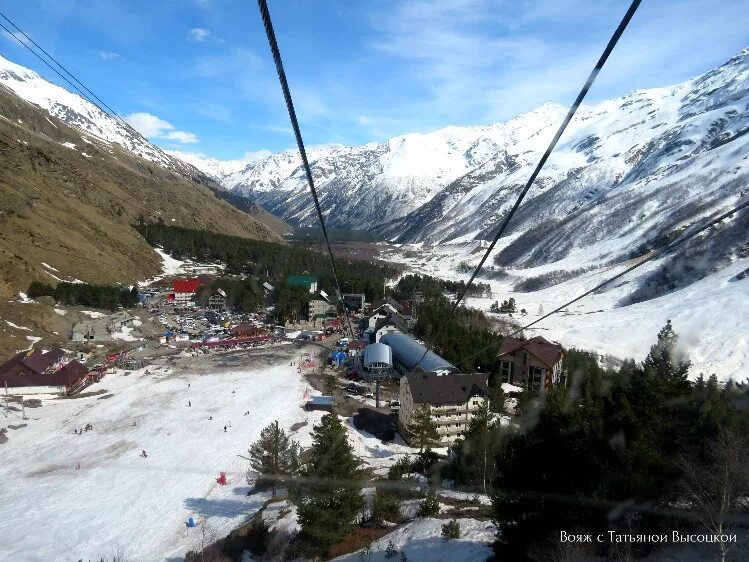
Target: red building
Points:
(184, 292)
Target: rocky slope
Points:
(82, 115)
(69, 198)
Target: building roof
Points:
(547, 352)
(39, 361)
(378, 353)
(398, 307)
(394, 320)
(302, 280)
(246, 328)
(30, 362)
(408, 352)
(433, 388)
(267, 286)
(65, 376)
(185, 285)
(321, 400)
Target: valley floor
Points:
(90, 496)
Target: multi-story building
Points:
(535, 364)
(353, 301)
(184, 292)
(453, 401)
(217, 301)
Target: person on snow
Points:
(143, 454)
(224, 429)
(189, 404)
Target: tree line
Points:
(109, 297)
(268, 261)
(429, 286)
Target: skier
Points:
(143, 454)
(189, 404)
(224, 429)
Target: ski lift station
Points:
(377, 360)
(407, 353)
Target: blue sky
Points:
(196, 75)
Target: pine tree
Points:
(273, 456)
(429, 506)
(385, 507)
(665, 363)
(478, 448)
(451, 530)
(329, 497)
(423, 429)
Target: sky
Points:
(197, 76)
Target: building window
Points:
(505, 368)
(536, 377)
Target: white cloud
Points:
(182, 137)
(154, 127)
(255, 155)
(481, 60)
(15, 37)
(198, 34)
(109, 55)
(202, 160)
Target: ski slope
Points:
(120, 502)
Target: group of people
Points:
(87, 427)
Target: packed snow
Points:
(32, 340)
(421, 541)
(17, 327)
(93, 313)
(92, 495)
(125, 334)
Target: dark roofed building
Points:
(387, 302)
(41, 373)
(535, 363)
(35, 362)
(391, 323)
(246, 329)
(453, 400)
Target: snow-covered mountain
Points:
(97, 126)
(212, 167)
(363, 187)
(630, 169)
